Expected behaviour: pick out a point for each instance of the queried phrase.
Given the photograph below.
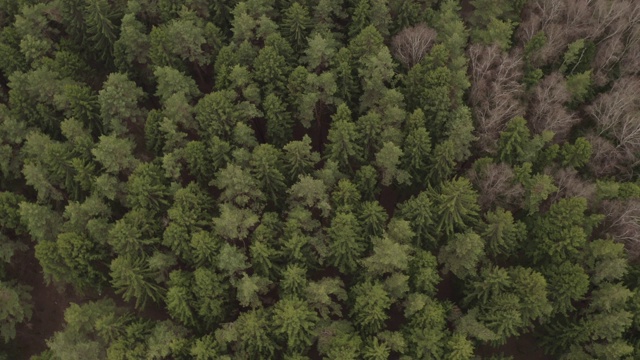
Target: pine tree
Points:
(133, 278)
(376, 350)
(371, 303)
(373, 218)
(502, 233)
(577, 154)
(345, 76)
(266, 167)
(320, 295)
(102, 31)
(367, 42)
(295, 25)
(279, 121)
(462, 254)
(294, 281)
(295, 323)
(270, 69)
(16, 308)
(345, 196)
(250, 334)
(299, 157)
(216, 114)
(345, 247)
(249, 288)
(343, 139)
(459, 348)
(416, 152)
(567, 284)
(118, 101)
(388, 257)
(456, 205)
(180, 299)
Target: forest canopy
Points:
(319, 179)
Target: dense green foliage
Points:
(322, 179)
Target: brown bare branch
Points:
(570, 184)
(496, 91)
(497, 186)
(622, 221)
(547, 110)
(411, 44)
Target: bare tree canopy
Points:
(617, 114)
(547, 111)
(496, 90)
(622, 220)
(412, 44)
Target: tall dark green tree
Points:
(296, 23)
(102, 27)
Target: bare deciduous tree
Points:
(565, 21)
(608, 54)
(612, 18)
(570, 184)
(551, 17)
(557, 40)
(617, 114)
(622, 221)
(411, 44)
(607, 160)
(530, 25)
(497, 186)
(547, 110)
(496, 90)
(630, 61)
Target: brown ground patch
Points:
(466, 9)
(48, 302)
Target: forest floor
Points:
(49, 303)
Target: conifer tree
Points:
(295, 323)
(456, 205)
(346, 246)
(102, 30)
(296, 24)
